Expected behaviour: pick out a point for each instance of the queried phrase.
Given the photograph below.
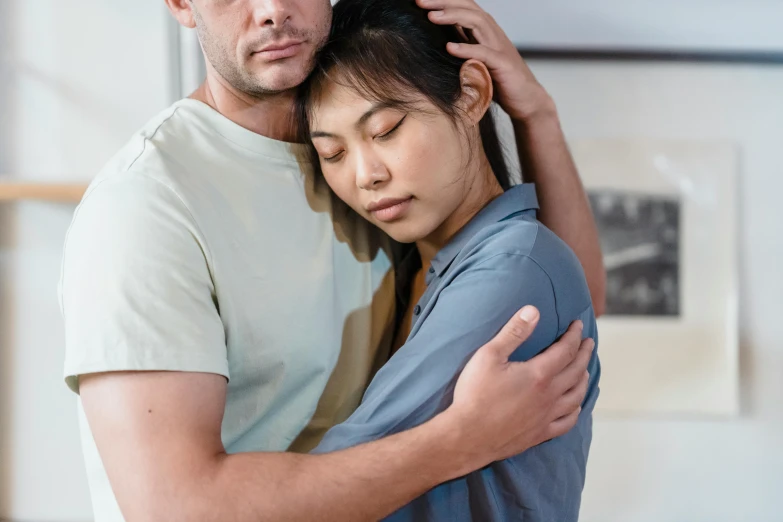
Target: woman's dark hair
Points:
(386, 49)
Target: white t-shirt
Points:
(204, 247)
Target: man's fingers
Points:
(483, 28)
(482, 53)
(563, 425)
(462, 16)
(514, 333)
(558, 356)
(444, 4)
(571, 375)
(573, 398)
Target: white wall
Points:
(673, 470)
(76, 79)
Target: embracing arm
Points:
(159, 437)
(158, 434)
(145, 347)
(543, 152)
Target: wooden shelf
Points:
(59, 193)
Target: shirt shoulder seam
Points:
(206, 249)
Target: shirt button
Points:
(417, 310)
(432, 270)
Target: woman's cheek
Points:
(343, 187)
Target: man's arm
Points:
(146, 348)
(565, 209)
(543, 152)
(159, 436)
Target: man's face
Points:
(262, 46)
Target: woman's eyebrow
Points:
(322, 134)
(361, 122)
(372, 111)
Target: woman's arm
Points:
(542, 148)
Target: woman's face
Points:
(403, 171)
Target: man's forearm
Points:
(366, 482)
(565, 209)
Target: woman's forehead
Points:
(337, 102)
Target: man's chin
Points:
(282, 76)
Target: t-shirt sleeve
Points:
(136, 291)
(418, 381)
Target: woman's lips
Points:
(387, 210)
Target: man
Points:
(220, 311)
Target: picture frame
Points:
(667, 217)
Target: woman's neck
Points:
(478, 195)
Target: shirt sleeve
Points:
(136, 292)
(418, 381)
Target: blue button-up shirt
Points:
(500, 261)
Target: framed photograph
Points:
(667, 218)
(640, 238)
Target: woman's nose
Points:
(371, 174)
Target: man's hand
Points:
(517, 90)
(531, 402)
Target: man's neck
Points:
(270, 116)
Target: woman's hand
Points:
(517, 90)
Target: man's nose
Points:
(274, 13)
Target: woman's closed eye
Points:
(332, 157)
(328, 150)
(389, 133)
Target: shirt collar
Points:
(515, 200)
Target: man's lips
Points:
(279, 50)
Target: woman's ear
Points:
(477, 90)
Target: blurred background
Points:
(700, 77)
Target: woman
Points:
(403, 133)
